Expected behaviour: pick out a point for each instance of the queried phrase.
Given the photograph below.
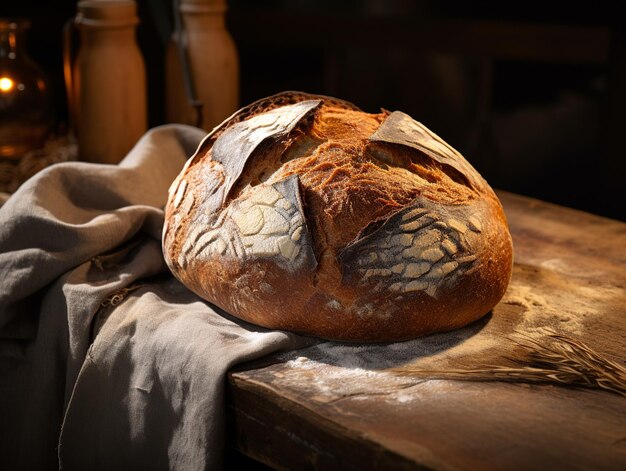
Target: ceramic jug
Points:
(106, 82)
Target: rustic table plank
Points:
(335, 406)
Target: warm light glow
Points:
(6, 84)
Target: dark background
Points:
(531, 93)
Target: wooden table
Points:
(338, 407)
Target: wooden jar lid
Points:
(114, 13)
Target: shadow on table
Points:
(389, 355)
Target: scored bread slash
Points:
(302, 212)
(238, 143)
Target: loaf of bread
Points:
(302, 212)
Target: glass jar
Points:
(26, 114)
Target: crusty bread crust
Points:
(303, 213)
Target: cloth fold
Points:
(81, 242)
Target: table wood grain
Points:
(323, 408)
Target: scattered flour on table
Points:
(337, 370)
(379, 357)
(560, 304)
(329, 383)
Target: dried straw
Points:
(558, 359)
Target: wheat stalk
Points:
(559, 360)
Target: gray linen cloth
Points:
(80, 255)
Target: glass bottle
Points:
(26, 113)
